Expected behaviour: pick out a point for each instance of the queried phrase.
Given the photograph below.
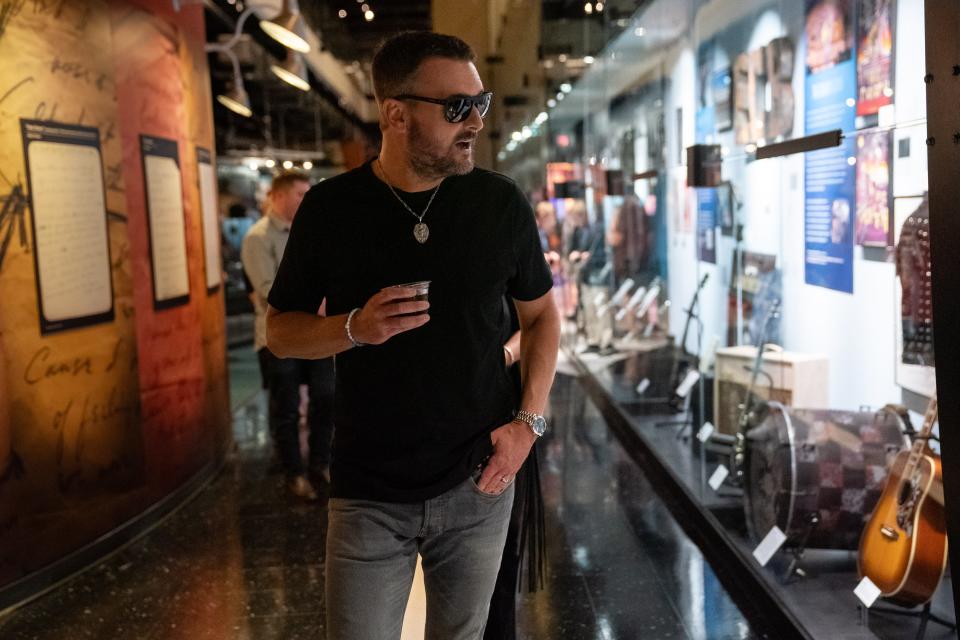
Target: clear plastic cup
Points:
(422, 293)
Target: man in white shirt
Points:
(263, 247)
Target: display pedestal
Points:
(924, 614)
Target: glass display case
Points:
(744, 254)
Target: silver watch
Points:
(535, 421)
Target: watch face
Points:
(539, 425)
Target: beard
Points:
(429, 160)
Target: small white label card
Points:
(705, 432)
(769, 546)
(643, 386)
(718, 477)
(691, 379)
(867, 592)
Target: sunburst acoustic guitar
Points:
(903, 549)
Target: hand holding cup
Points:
(393, 310)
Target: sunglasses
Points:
(456, 108)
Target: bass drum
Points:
(802, 463)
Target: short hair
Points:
(398, 57)
(285, 179)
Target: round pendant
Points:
(421, 232)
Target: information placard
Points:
(68, 202)
(211, 219)
(168, 242)
(830, 88)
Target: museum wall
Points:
(855, 326)
(113, 382)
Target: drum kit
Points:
(817, 474)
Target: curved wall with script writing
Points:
(113, 382)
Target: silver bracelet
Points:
(350, 333)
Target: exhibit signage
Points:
(72, 256)
(830, 91)
(168, 243)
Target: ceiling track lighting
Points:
(236, 99)
(292, 71)
(283, 28)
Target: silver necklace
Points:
(420, 231)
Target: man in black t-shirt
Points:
(430, 428)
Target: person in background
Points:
(551, 243)
(547, 227)
(263, 247)
(577, 243)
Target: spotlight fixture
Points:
(283, 28)
(236, 99)
(566, 87)
(599, 7)
(287, 164)
(364, 7)
(562, 58)
(639, 32)
(588, 59)
(368, 15)
(270, 163)
(307, 165)
(342, 13)
(588, 8)
(551, 103)
(292, 71)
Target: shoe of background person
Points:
(301, 487)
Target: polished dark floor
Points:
(243, 560)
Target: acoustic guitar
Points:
(903, 549)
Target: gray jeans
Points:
(372, 554)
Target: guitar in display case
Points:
(903, 549)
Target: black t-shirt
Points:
(413, 415)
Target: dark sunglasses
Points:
(456, 108)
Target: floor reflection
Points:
(620, 567)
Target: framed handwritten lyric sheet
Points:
(168, 240)
(68, 202)
(211, 219)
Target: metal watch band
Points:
(526, 416)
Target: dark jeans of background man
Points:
(285, 375)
